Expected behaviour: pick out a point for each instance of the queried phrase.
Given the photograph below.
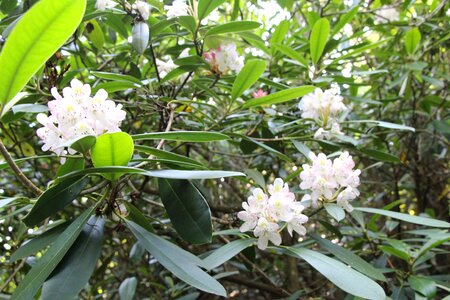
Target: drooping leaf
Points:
(31, 283)
(226, 252)
(249, 74)
(182, 264)
(280, 97)
(40, 32)
(54, 199)
(405, 217)
(112, 149)
(342, 276)
(188, 210)
(75, 269)
(318, 39)
(182, 136)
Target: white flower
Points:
(105, 4)
(263, 213)
(267, 231)
(331, 181)
(225, 59)
(142, 8)
(178, 8)
(386, 14)
(76, 114)
(164, 67)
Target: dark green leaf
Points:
(423, 285)
(226, 252)
(381, 156)
(182, 136)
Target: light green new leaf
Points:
(75, 269)
(412, 40)
(182, 136)
(181, 263)
(187, 209)
(249, 74)
(318, 39)
(112, 149)
(95, 34)
(341, 275)
(288, 51)
(280, 97)
(349, 258)
(405, 217)
(36, 37)
(280, 32)
(226, 252)
(205, 7)
(236, 26)
(344, 20)
(31, 283)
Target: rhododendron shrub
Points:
(205, 149)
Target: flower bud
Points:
(140, 34)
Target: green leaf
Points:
(405, 217)
(29, 108)
(37, 36)
(256, 176)
(235, 26)
(341, 275)
(112, 149)
(127, 288)
(385, 124)
(182, 136)
(280, 97)
(280, 32)
(349, 258)
(95, 34)
(138, 217)
(82, 144)
(31, 283)
(226, 252)
(412, 40)
(205, 7)
(381, 156)
(38, 243)
(318, 39)
(249, 74)
(187, 209)
(170, 174)
(115, 86)
(191, 60)
(116, 77)
(344, 19)
(394, 251)
(167, 155)
(335, 211)
(71, 164)
(75, 269)
(188, 22)
(182, 264)
(423, 285)
(54, 199)
(288, 51)
(264, 146)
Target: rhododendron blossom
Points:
(260, 93)
(177, 9)
(331, 181)
(225, 59)
(105, 4)
(142, 8)
(263, 213)
(76, 114)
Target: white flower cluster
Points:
(324, 106)
(142, 8)
(331, 181)
(76, 114)
(225, 59)
(167, 65)
(177, 9)
(386, 14)
(262, 213)
(105, 4)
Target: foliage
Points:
(208, 104)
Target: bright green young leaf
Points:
(112, 149)
(349, 258)
(188, 22)
(54, 199)
(182, 136)
(343, 20)
(75, 269)
(31, 283)
(288, 51)
(82, 144)
(280, 32)
(280, 97)
(235, 26)
(127, 288)
(36, 37)
(182, 264)
(318, 39)
(226, 252)
(205, 7)
(95, 34)
(412, 40)
(341, 275)
(249, 74)
(38, 243)
(187, 209)
(116, 77)
(405, 217)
